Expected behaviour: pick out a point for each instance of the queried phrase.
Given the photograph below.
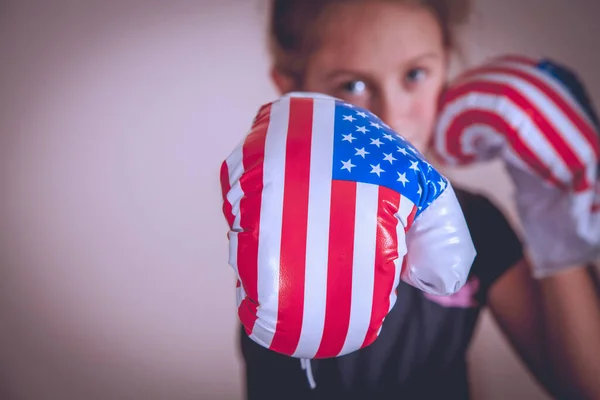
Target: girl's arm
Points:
(554, 325)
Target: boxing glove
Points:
(328, 210)
(537, 117)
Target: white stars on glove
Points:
(348, 138)
(442, 184)
(347, 165)
(376, 169)
(402, 178)
(410, 174)
(376, 142)
(361, 152)
(389, 157)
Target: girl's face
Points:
(386, 57)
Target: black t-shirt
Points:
(420, 352)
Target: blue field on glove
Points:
(573, 84)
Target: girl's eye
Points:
(415, 75)
(355, 87)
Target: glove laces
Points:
(305, 364)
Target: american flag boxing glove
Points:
(328, 210)
(536, 116)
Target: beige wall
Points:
(114, 118)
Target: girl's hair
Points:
(293, 27)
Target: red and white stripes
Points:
(306, 291)
(510, 106)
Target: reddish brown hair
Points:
(294, 23)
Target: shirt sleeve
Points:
(497, 244)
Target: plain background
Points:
(114, 119)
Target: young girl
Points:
(392, 57)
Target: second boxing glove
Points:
(328, 209)
(537, 116)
